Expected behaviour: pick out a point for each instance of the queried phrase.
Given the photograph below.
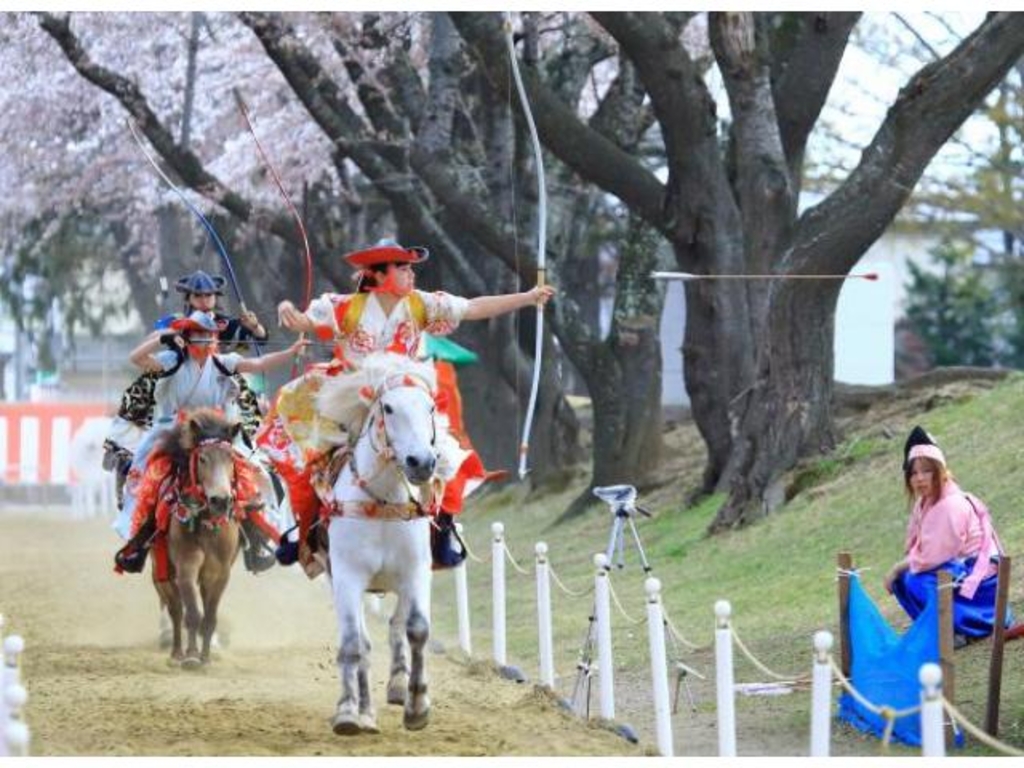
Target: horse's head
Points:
(208, 438)
(388, 403)
(403, 419)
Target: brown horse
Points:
(203, 536)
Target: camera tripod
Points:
(621, 501)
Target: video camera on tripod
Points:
(621, 501)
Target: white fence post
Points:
(498, 591)
(10, 674)
(3, 687)
(13, 647)
(12, 695)
(603, 615)
(462, 601)
(15, 732)
(821, 696)
(547, 655)
(16, 739)
(725, 689)
(933, 742)
(659, 666)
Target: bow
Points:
(542, 212)
(217, 242)
(291, 206)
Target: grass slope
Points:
(779, 575)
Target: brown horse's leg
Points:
(214, 589)
(188, 559)
(176, 612)
(171, 600)
(220, 550)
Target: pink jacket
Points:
(952, 528)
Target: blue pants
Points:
(972, 618)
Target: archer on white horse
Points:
(385, 313)
(382, 321)
(379, 529)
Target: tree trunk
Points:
(787, 413)
(623, 373)
(718, 358)
(177, 258)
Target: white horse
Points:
(380, 532)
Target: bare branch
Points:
(936, 101)
(801, 85)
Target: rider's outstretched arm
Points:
(273, 360)
(484, 307)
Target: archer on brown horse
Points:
(201, 490)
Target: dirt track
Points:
(98, 685)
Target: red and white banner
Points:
(51, 443)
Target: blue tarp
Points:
(885, 666)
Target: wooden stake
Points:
(845, 562)
(995, 666)
(944, 581)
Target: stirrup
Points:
(131, 560)
(257, 558)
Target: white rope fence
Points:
(824, 676)
(761, 666)
(565, 589)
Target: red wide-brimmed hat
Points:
(198, 321)
(386, 252)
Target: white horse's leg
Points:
(350, 647)
(416, 584)
(398, 682)
(351, 568)
(367, 714)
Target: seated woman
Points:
(948, 530)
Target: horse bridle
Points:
(386, 456)
(194, 490)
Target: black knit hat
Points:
(917, 436)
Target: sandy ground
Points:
(98, 685)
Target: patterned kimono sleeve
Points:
(247, 494)
(321, 313)
(444, 312)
